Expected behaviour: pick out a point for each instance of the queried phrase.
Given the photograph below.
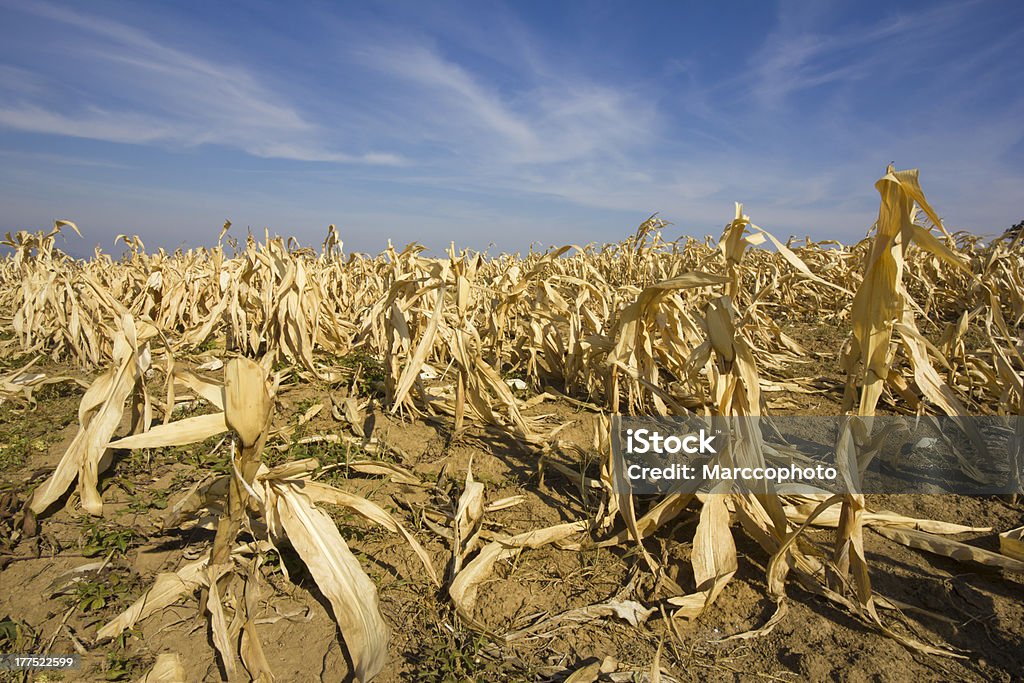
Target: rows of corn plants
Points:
(646, 326)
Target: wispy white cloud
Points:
(810, 49)
(541, 121)
(452, 84)
(545, 133)
(89, 122)
(163, 95)
(60, 160)
(20, 81)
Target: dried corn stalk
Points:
(99, 415)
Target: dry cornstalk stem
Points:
(247, 410)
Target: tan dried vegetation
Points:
(640, 327)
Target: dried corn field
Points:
(265, 462)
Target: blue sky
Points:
(502, 125)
